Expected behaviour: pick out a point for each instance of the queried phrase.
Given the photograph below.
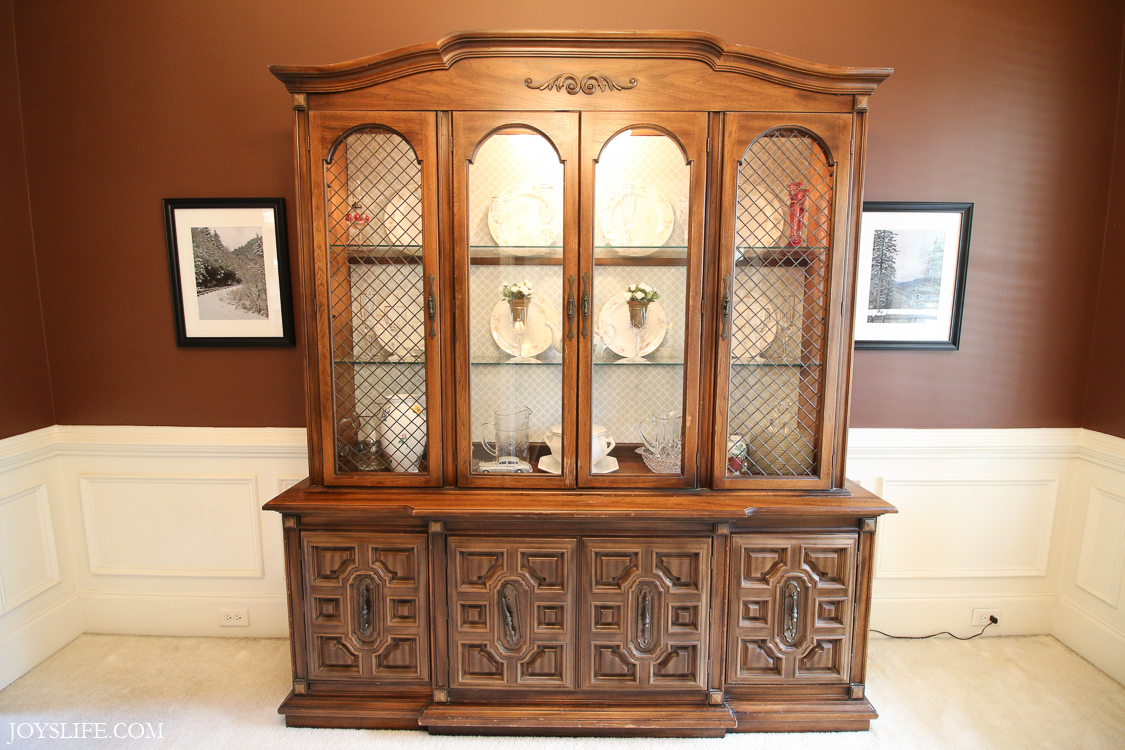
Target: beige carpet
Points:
(1025, 692)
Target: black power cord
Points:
(991, 621)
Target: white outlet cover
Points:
(980, 617)
(234, 618)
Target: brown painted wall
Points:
(1105, 394)
(1007, 103)
(25, 386)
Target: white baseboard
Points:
(185, 615)
(39, 637)
(1100, 644)
(912, 616)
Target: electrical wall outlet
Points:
(236, 618)
(980, 617)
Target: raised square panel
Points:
(549, 617)
(545, 664)
(400, 654)
(828, 565)
(1103, 546)
(163, 525)
(612, 664)
(474, 616)
(402, 611)
(680, 664)
(754, 612)
(335, 655)
(326, 609)
(684, 618)
(830, 612)
(478, 663)
(966, 527)
(607, 617)
(28, 563)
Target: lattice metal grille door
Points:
(373, 195)
(778, 287)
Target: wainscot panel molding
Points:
(1013, 472)
(1009, 534)
(169, 525)
(29, 564)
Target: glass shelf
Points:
(381, 254)
(383, 361)
(551, 255)
(674, 359)
(776, 256)
(755, 362)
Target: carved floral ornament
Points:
(589, 84)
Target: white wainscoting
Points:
(172, 525)
(156, 529)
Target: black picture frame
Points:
(191, 327)
(958, 277)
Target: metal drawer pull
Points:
(570, 311)
(792, 612)
(724, 311)
(585, 303)
(644, 618)
(431, 306)
(510, 613)
(365, 609)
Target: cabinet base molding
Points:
(640, 720)
(802, 715)
(353, 711)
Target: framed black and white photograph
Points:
(230, 271)
(910, 289)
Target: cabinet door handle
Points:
(644, 618)
(431, 306)
(508, 604)
(365, 624)
(570, 311)
(724, 310)
(585, 303)
(792, 607)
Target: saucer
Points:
(605, 466)
(550, 464)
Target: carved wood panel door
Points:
(792, 602)
(367, 607)
(645, 607)
(511, 609)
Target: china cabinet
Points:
(578, 322)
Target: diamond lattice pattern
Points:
(779, 288)
(374, 219)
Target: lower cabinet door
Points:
(511, 610)
(645, 609)
(366, 606)
(792, 604)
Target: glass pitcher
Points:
(511, 430)
(663, 441)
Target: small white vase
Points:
(402, 432)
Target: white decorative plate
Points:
(399, 331)
(402, 217)
(523, 233)
(652, 225)
(768, 223)
(537, 334)
(613, 327)
(753, 328)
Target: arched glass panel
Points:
(373, 210)
(515, 215)
(779, 285)
(641, 201)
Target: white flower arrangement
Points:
(516, 290)
(642, 293)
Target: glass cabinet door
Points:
(783, 219)
(643, 196)
(515, 197)
(376, 267)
